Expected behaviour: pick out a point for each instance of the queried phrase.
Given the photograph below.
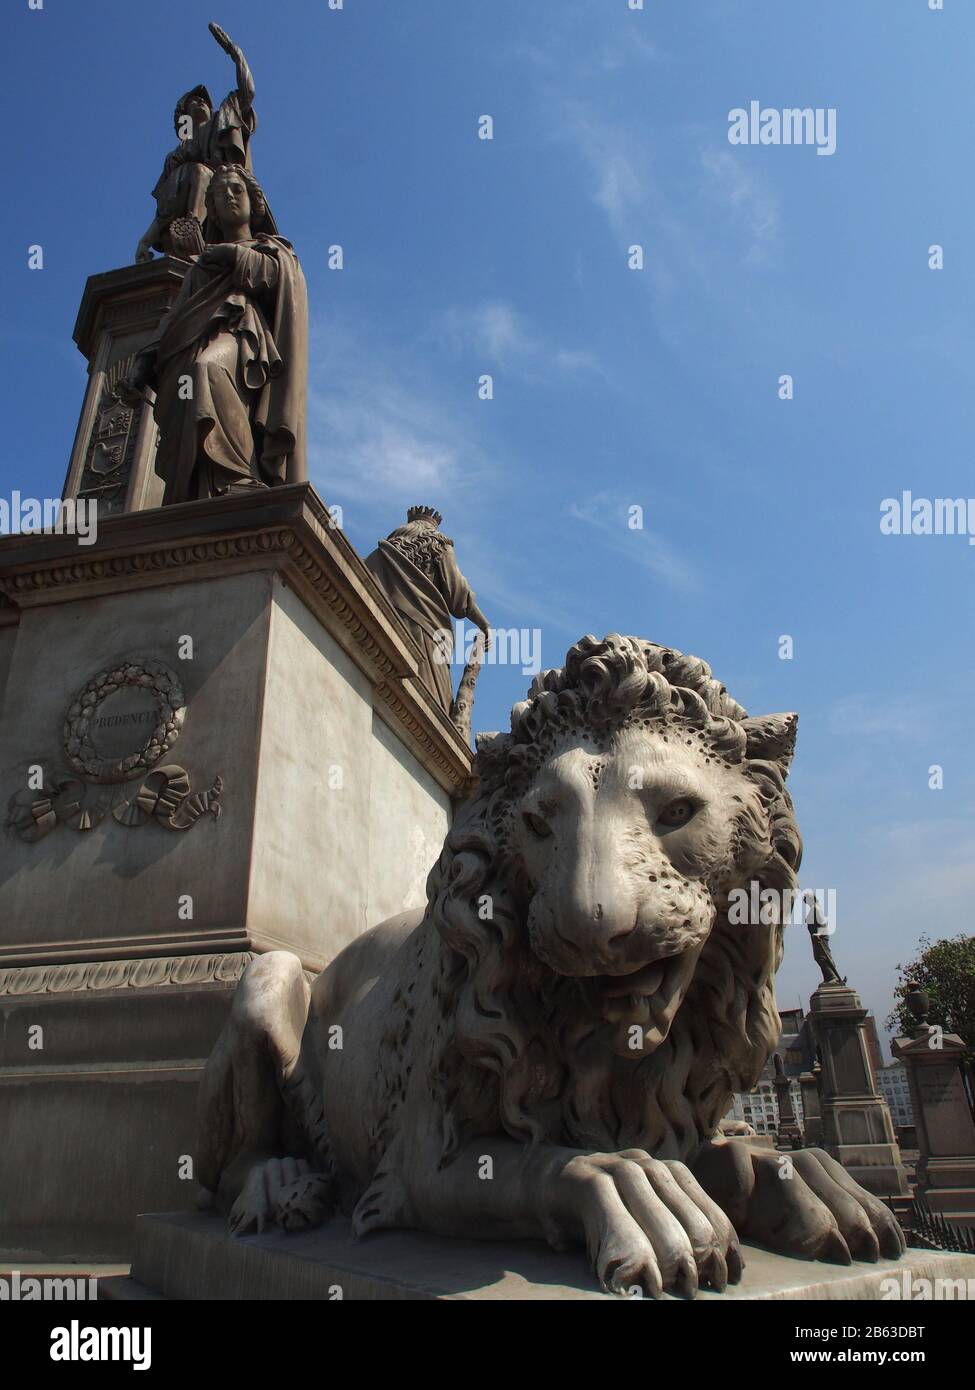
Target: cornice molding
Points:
(90, 976)
(286, 529)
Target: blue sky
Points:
(613, 387)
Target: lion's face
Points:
(591, 982)
(622, 847)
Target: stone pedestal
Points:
(213, 743)
(191, 1256)
(943, 1122)
(114, 452)
(856, 1125)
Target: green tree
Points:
(946, 969)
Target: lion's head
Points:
(592, 989)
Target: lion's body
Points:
(574, 986)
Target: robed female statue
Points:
(229, 363)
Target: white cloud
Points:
(504, 337)
(608, 515)
(380, 431)
(737, 188)
(625, 182)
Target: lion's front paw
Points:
(803, 1204)
(304, 1203)
(284, 1191)
(647, 1224)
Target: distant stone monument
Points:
(417, 568)
(812, 1120)
(942, 1115)
(789, 1129)
(855, 1119)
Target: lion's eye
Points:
(677, 813)
(536, 825)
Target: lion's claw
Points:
(815, 1211)
(647, 1224)
(282, 1191)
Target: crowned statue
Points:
(417, 568)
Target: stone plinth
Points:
(98, 1124)
(943, 1122)
(304, 797)
(114, 452)
(191, 1256)
(856, 1125)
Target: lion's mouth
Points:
(649, 995)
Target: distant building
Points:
(893, 1086)
(798, 1052)
(758, 1107)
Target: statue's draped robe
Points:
(235, 342)
(426, 599)
(223, 139)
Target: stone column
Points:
(943, 1120)
(856, 1125)
(115, 445)
(811, 1115)
(789, 1130)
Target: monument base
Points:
(184, 1256)
(301, 721)
(855, 1124)
(101, 1122)
(944, 1122)
(948, 1188)
(874, 1167)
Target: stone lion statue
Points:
(547, 1050)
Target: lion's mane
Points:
(517, 1048)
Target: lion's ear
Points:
(771, 738)
(491, 750)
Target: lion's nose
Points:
(616, 931)
(622, 932)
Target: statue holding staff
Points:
(417, 568)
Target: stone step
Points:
(191, 1256)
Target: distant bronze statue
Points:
(208, 139)
(229, 362)
(818, 929)
(417, 568)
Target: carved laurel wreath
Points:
(152, 676)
